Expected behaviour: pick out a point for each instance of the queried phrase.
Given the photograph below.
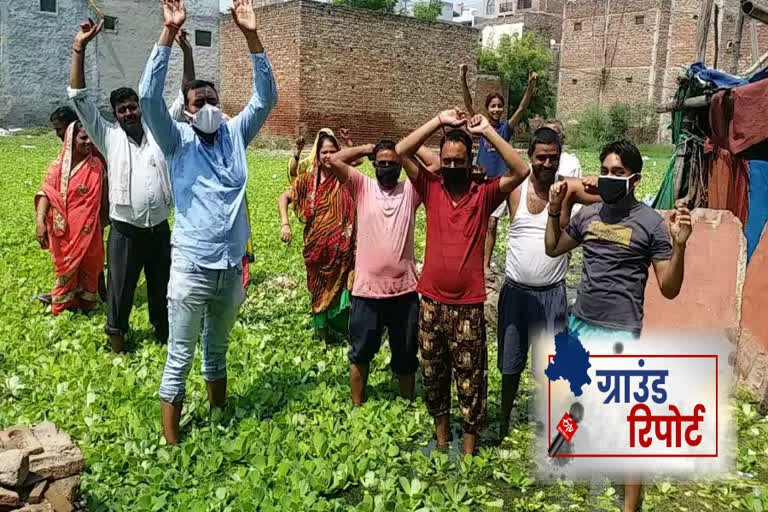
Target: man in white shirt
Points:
(533, 296)
(570, 167)
(139, 198)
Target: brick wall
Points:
(383, 78)
(279, 32)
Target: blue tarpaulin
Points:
(718, 78)
(758, 204)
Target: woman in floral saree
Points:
(68, 207)
(328, 212)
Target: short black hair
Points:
(627, 151)
(196, 84)
(544, 135)
(122, 94)
(457, 135)
(383, 145)
(492, 96)
(64, 114)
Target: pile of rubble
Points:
(39, 470)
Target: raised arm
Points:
(517, 169)
(93, 122)
(670, 273)
(343, 161)
(579, 191)
(429, 159)
(556, 240)
(293, 164)
(518, 115)
(177, 107)
(264, 96)
(465, 90)
(413, 141)
(153, 110)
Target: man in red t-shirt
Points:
(452, 285)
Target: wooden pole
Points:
(737, 43)
(717, 36)
(753, 40)
(705, 15)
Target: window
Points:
(577, 26)
(574, 81)
(48, 5)
(202, 38)
(110, 23)
(729, 44)
(490, 8)
(523, 4)
(639, 20)
(629, 79)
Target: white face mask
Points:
(207, 119)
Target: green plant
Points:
(514, 59)
(429, 10)
(594, 126)
(374, 5)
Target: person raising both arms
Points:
(209, 174)
(487, 156)
(297, 165)
(451, 318)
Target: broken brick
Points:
(36, 494)
(9, 498)
(14, 467)
(22, 438)
(55, 465)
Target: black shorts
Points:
(400, 315)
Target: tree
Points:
(374, 5)
(513, 60)
(429, 10)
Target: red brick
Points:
(383, 78)
(8, 498)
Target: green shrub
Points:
(594, 126)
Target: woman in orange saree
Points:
(68, 209)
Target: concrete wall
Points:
(382, 79)
(35, 53)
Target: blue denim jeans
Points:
(199, 298)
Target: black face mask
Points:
(613, 189)
(387, 173)
(455, 177)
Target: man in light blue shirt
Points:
(208, 173)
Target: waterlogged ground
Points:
(290, 439)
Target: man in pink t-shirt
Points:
(451, 320)
(384, 292)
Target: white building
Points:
(36, 47)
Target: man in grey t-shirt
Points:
(622, 237)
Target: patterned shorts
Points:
(452, 340)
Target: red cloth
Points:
(739, 117)
(728, 185)
(74, 227)
(453, 263)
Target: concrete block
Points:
(715, 264)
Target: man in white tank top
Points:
(533, 296)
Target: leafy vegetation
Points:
(513, 60)
(374, 5)
(428, 10)
(595, 126)
(290, 439)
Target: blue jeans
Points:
(199, 297)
